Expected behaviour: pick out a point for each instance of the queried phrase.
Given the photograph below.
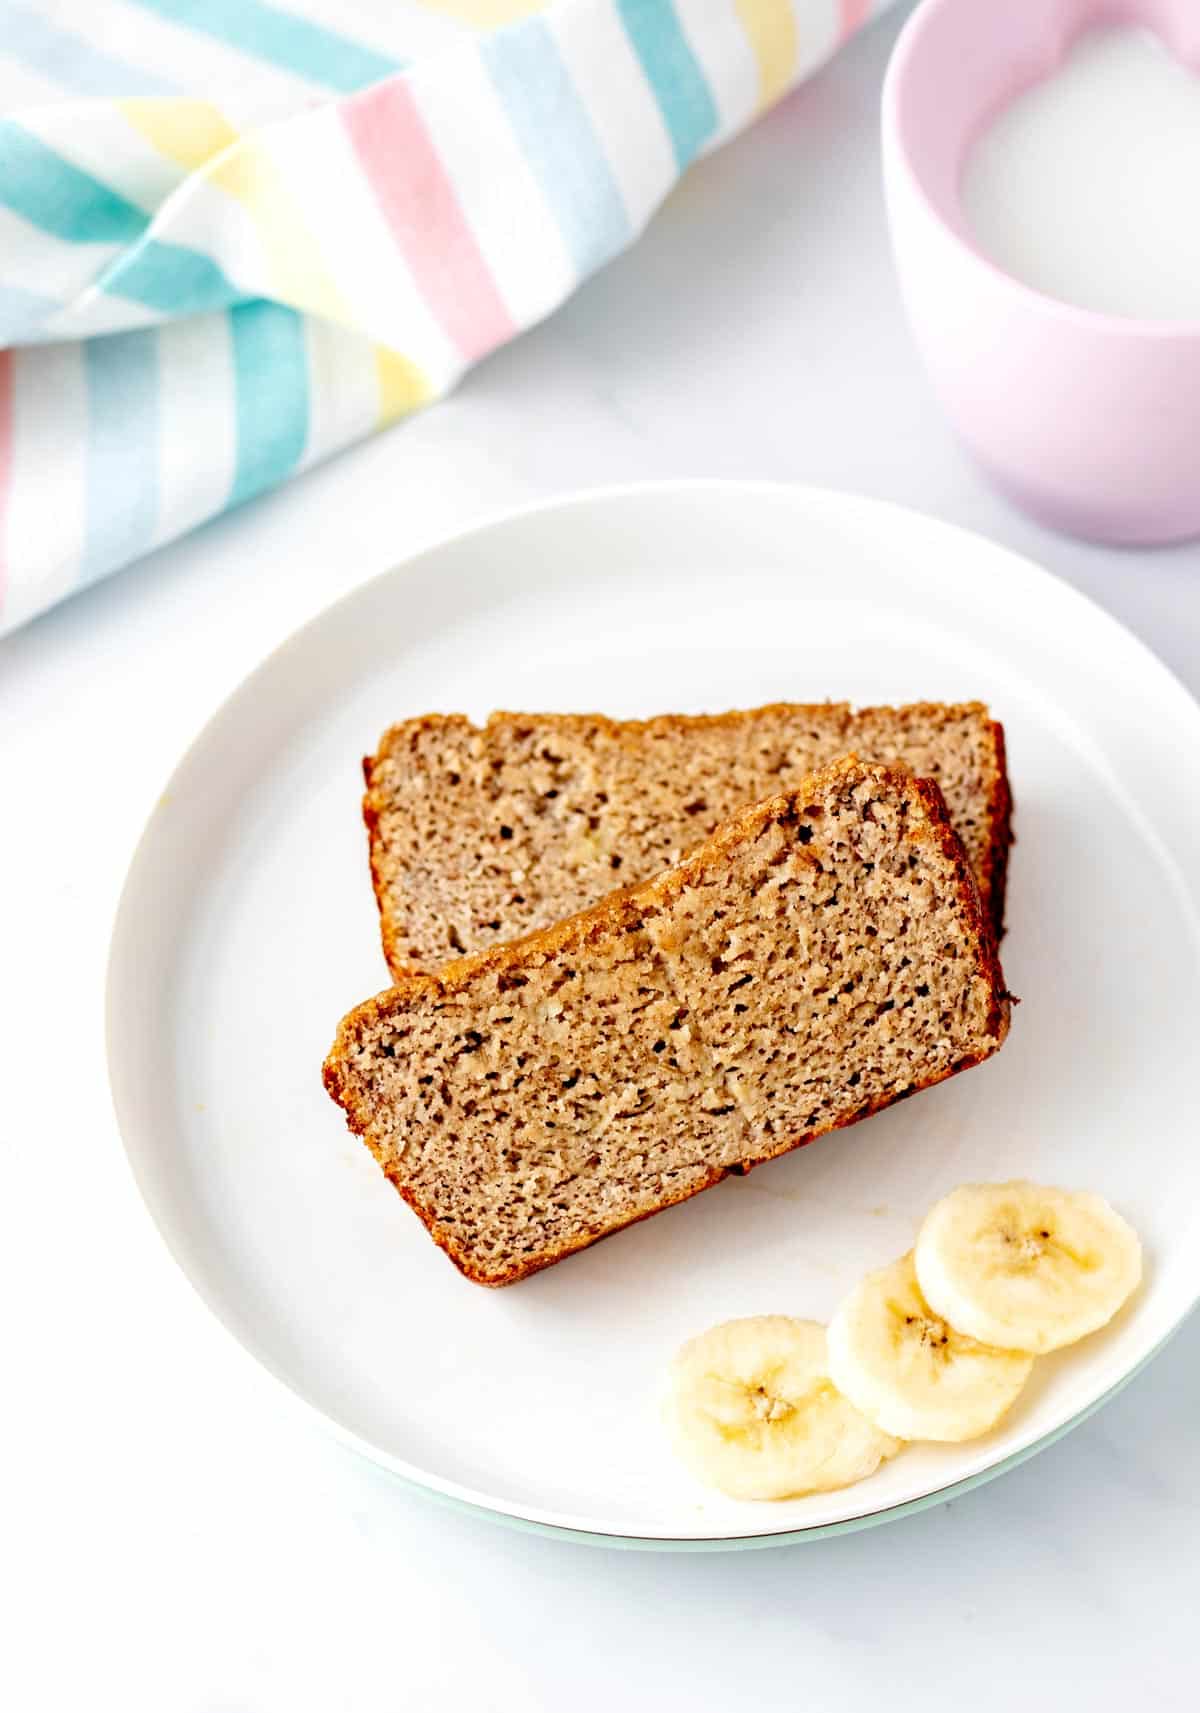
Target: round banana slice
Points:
(752, 1411)
(1024, 1267)
(910, 1372)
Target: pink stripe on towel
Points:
(423, 214)
(854, 14)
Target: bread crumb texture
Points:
(821, 955)
(481, 834)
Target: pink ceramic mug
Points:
(1089, 421)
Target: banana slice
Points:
(911, 1373)
(1024, 1267)
(752, 1411)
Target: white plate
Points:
(248, 927)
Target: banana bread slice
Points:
(482, 834)
(820, 956)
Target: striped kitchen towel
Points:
(238, 235)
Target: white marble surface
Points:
(172, 1535)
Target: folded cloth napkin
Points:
(236, 236)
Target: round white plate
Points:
(248, 927)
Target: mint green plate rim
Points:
(792, 1537)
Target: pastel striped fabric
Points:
(236, 236)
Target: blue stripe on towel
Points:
(59, 198)
(270, 364)
(293, 44)
(673, 72)
(23, 312)
(70, 60)
(170, 278)
(559, 141)
(121, 370)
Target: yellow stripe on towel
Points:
(485, 14)
(196, 135)
(298, 275)
(402, 386)
(770, 27)
(189, 132)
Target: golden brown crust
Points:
(370, 815)
(993, 881)
(1000, 808)
(619, 729)
(629, 907)
(979, 920)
